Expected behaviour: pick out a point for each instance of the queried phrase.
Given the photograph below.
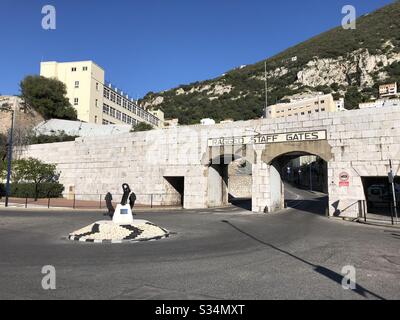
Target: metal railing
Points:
(382, 212)
(96, 201)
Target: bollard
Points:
(26, 202)
(48, 203)
(73, 205)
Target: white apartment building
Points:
(381, 103)
(388, 90)
(300, 107)
(94, 100)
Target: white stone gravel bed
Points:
(103, 231)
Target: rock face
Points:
(320, 72)
(25, 118)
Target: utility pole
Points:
(391, 180)
(266, 92)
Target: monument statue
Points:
(123, 213)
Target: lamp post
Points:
(9, 153)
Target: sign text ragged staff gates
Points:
(269, 138)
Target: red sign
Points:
(344, 184)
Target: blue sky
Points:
(153, 45)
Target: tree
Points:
(3, 146)
(3, 154)
(35, 171)
(353, 98)
(48, 97)
(142, 126)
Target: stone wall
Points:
(361, 143)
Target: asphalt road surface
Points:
(213, 254)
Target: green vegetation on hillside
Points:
(3, 146)
(48, 97)
(142, 126)
(378, 32)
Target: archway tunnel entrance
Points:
(230, 182)
(299, 180)
(379, 196)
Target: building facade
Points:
(388, 90)
(381, 103)
(94, 100)
(301, 107)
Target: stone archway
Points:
(321, 149)
(269, 193)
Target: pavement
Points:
(226, 253)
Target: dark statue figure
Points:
(128, 195)
(109, 204)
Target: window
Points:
(106, 93)
(112, 112)
(124, 119)
(73, 69)
(97, 86)
(309, 112)
(76, 101)
(95, 119)
(302, 113)
(322, 101)
(316, 110)
(76, 84)
(85, 68)
(112, 96)
(97, 103)
(105, 122)
(119, 115)
(323, 109)
(119, 100)
(106, 109)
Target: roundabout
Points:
(109, 232)
(122, 228)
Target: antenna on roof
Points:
(266, 92)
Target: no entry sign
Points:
(344, 178)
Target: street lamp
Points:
(9, 152)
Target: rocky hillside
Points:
(25, 118)
(346, 63)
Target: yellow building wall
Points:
(89, 89)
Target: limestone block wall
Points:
(361, 143)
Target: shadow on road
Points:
(316, 205)
(242, 203)
(330, 274)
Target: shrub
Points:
(23, 190)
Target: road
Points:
(224, 253)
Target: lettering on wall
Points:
(269, 138)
